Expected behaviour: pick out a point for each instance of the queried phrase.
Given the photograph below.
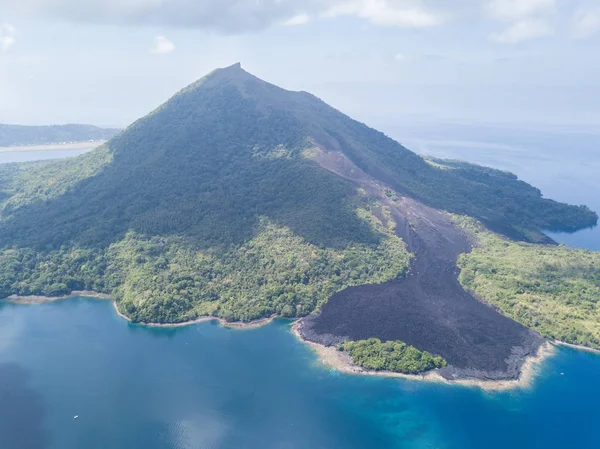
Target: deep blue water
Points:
(206, 387)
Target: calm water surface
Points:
(38, 155)
(206, 387)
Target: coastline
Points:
(330, 356)
(73, 146)
(342, 362)
(578, 347)
(16, 299)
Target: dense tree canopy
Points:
(394, 356)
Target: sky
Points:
(108, 62)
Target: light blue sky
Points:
(108, 62)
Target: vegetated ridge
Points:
(553, 290)
(239, 199)
(17, 135)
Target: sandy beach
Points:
(95, 295)
(54, 147)
(330, 356)
(343, 363)
(578, 347)
(230, 324)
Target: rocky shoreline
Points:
(16, 299)
(525, 366)
(523, 362)
(429, 309)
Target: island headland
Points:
(240, 201)
(428, 309)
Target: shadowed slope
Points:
(207, 164)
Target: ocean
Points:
(208, 387)
(563, 162)
(39, 155)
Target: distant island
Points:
(239, 200)
(19, 135)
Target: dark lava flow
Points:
(429, 309)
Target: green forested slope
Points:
(208, 206)
(171, 279)
(553, 290)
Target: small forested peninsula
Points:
(393, 356)
(18, 135)
(240, 200)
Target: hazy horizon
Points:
(489, 61)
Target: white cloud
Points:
(586, 23)
(519, 9)
(390, 13)
(7, 36)
(399, 57)
(231, 16)
(162, 46)
(527, 19)
(523, 30)
(226, 16)
(300, 19)
(522, 19)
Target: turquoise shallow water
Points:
(208, 387)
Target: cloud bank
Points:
(586, 23)
(523, 30)
(506, 21)
(519, 9)
(7, 36)
(232, 16)
(162, 46)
